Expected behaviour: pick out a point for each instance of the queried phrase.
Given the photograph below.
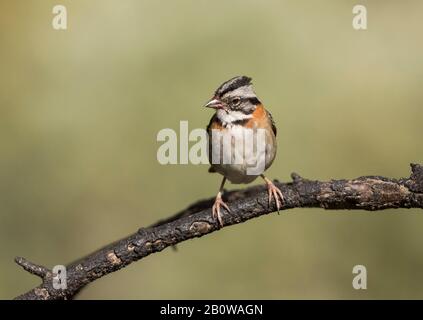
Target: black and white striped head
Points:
(234, 99)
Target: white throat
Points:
(227, 118)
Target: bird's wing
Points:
(211, 169)
(272, 123)
(210, 123)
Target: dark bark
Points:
(365, 193)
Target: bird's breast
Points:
(241, 152)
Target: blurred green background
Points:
(81, 108)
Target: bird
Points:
(238, 111)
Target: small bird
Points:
(238, 110)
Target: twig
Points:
(365, 193)
(39, 271)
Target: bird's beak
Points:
(215, 104)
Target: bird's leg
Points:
(219, 202)
(273, 191)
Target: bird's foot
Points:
(216, 208)
(274, 191)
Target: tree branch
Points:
(365, 193)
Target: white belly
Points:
(243, 154)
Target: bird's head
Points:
(234, 100)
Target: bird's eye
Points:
(235, 101)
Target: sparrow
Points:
(238, 110)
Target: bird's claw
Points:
(275, 192)
(216, 209)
